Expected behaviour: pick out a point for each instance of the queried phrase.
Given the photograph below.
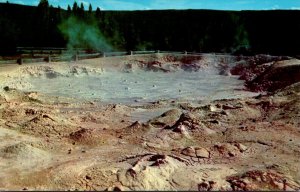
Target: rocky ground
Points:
(250, 143)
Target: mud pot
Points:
(151, 122)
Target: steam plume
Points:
(83, 35)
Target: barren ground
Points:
(75, 139)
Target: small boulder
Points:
(182, 129)
(189, 151)
(241, 147)
(199, 152)
(6, 88)
(202, 152)
(206, 186)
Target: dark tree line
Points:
(273, 32)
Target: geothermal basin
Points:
(134, 80)
(151, 122)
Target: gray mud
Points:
(142, 86)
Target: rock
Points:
(30, 112)
(135, 125)
(208, 131)
(199, 152)
(159, 162)
(2, 99)
(209, 107)
(78, 135)
(157, 157)
(206, 186)
(189, 151)
(168, 118)
(226, 107)
(279, 185)
(202, 152)
(241, 147)
(266, 179)
(118, 188)
(214, 121)
(189, 120)
(231, 154)
(227, 149)
(212, 108)
(6, 88)
(115, 188)
(182, 129)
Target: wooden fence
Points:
(35, 55)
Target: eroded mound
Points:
(271, 76)
(25, 152)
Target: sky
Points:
(174, 4)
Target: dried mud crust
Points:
(270, 74)
(231, 144)
(169, 63)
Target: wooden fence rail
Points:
(51, 55)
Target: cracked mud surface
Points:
(61, 143)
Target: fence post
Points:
(49, 59)
(131, 52)
(157, 51)
(20, 61)
(76, 56)
(185, 52)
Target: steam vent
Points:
(131, 99)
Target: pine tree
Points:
(98, 12)
(81, 7)
(42, 21)
(80, 11)
(90, 8)
(75, 7)
(43, 3)
(69, 11)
